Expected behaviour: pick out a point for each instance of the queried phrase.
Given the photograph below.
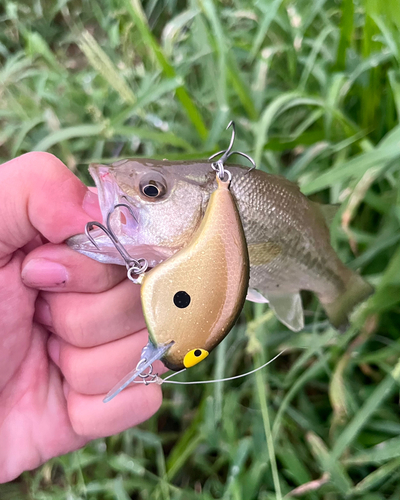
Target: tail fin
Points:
(356, 291)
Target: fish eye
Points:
(153, 185)
(194, 356)
(151, 190)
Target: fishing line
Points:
(158, 380)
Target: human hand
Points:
(62, 350)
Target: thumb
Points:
(39, 195)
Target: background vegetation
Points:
(314, 88)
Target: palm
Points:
(33, 410)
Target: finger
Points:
(96, 370)
(88, 320)
(59, 268)
(39, 195)
(91, 417)
(42, 314)
(16, 311)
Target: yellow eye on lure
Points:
(192, 300)
(194, 356)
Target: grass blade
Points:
(103, 64)
(68, 133)
(378, 454)
(135, 10)
(337, 472)
(349, 434)
(377, 477)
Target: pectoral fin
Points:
(254, 296)
(288, 309)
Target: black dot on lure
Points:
(197, 353)
(181, 299)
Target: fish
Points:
(192, 300)
(287, 234)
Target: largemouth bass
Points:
(287, 235)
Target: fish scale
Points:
(282, 216)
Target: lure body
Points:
(194, 298)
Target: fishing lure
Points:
(192, 300)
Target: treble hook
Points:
(135, 266)
(226, 153)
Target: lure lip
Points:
(150, 354)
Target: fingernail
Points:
(53, 348)
(43, 273)
(90, 204)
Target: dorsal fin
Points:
(328, 211)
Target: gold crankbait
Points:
(194, 298)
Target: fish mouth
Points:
(125, 228)
(123, 223)
(108, 254)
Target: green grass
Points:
(314, 88)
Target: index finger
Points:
(58, 268)
(39, 195)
